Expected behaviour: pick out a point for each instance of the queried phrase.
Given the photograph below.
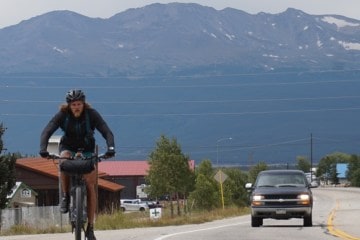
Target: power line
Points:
(252, 84)
(198, 76)
(237, 147)
(194, 101)
(198, 114)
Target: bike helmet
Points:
(75, 95)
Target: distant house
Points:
(129, 174)
(341, 169)
(53, 144)
(21, 196)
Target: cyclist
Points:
(78, 120)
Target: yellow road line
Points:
(337, 232)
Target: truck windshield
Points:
(266, 180)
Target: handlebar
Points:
(77, 166)
(81, 156)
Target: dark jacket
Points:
(78, 132)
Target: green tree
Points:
(7, 173)
(205, 168)
(324, 168)
(327, 166)
(355, 179)
(333, 176)
(353, 173)
(234, 187)
(303, 163)
(205, 196)
(169, 172)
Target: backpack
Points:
(89, 138)
(87, 122)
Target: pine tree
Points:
(7, 172)
(169, 172)
(206, 193)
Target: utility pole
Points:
(2, 130)
(311, 156)
(217, 148)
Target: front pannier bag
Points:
(77, 166)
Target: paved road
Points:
(333, 217)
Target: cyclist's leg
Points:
(90, 180)
(65, 185)
(65, 180)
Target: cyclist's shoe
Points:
(89, 234)
(64, 205)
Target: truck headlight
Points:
(304, 199)
(257, 200)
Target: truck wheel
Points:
(256, 221)
(308, 221)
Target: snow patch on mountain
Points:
(350, 46)
(339, 22)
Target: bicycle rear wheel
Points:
(79, 213)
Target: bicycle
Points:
(76, 167)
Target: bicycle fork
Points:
(78, 208)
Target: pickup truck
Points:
(280, 194)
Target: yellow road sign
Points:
(220, 176)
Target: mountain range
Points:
(179, 38)
(233, 87)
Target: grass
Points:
(26, 229)
(120, 220)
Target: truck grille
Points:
(282, 196)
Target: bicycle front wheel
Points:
(79, 213)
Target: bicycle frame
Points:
(78, 205)
(78, 193)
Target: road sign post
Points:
(220, 176)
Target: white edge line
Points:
(199, 230)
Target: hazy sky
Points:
(14, 11)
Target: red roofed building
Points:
(114, 177)
(129, 174)
(124, 168)
(42, 176)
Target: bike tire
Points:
(79, 213)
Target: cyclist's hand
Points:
(110, 153)
(44, 154)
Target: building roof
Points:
(50, 168)
(124, 168)
(16, 188)
(129, 168)
(13, 190)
